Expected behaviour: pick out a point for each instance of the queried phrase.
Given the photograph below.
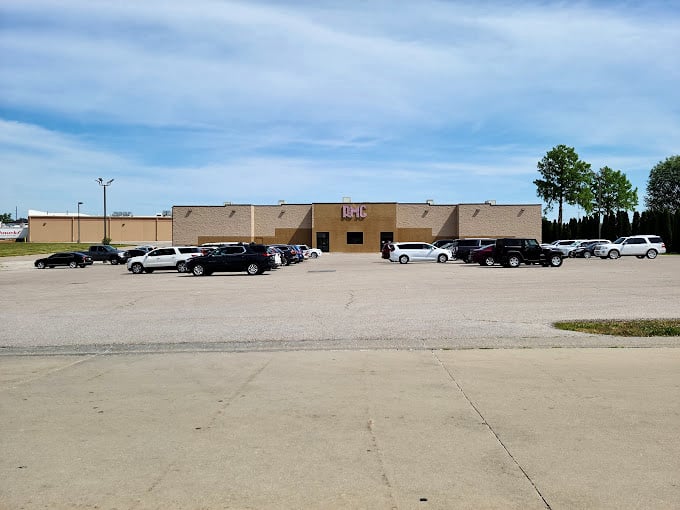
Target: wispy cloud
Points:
(399, 95)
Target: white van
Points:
(416, 251)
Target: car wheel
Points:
(182, 266)
(651, 254)
(199, 270)
(403, 259)
(137, 268)
(40, 265)
(114, 262)
(442, 258)
(587, 255)
(514, 261)
(614, 254)
(82, 265)
(314, 255)
(252, 268)
(488, 261)
(73, 264)
(555, 261)
(571, 255)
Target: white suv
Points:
(171, 257)
(641, 246)
(406, 252)
(313, 253)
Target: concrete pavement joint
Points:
(488, 425)
(236, 392)
(57, 369)
(381, 460)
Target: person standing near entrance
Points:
(386, 250)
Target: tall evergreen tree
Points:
(636, 223)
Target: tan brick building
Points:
(352, 227)
(90, 229)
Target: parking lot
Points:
(342, 382)
(337, 301)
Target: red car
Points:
(483, 256)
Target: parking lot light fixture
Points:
(104, 184)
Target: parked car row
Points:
(199, 260)
(512, 252)
(641, 246)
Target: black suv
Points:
(511, 252)
(251, 258)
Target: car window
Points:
(655, 239)
(532, 243)
(234, 250)
(636, 240)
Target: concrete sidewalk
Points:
(509, 428)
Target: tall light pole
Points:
(104, 184)
(79, 204)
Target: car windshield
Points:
(619, 240)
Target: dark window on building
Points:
(355, 238)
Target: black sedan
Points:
(251, 258)
(70, 258)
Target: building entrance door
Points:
(322, 241)
(385, 237)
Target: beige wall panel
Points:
(121, 230)
(379, 218)
(484, 220)
(51, 229)
(441, 219)
(218, 222)
(414, 234)
(268, 219)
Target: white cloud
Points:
(385, 99)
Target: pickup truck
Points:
(104, 253)
(511, 252)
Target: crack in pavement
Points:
(488, 426)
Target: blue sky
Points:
(208, 101)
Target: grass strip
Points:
(12, 249)
(640, 327)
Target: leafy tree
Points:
(5, 218)
(663, 187)
(564, 178)
(609, 192)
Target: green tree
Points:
(564, 178)
(609, 191)
(663, 187)
(5, 218)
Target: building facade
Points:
(90, 229)
(351, 227)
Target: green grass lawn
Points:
(642, 327)
(16, 249)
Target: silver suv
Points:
(641, 246)
(172, 257)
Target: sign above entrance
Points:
(349, 211)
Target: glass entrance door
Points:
(322, 241)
